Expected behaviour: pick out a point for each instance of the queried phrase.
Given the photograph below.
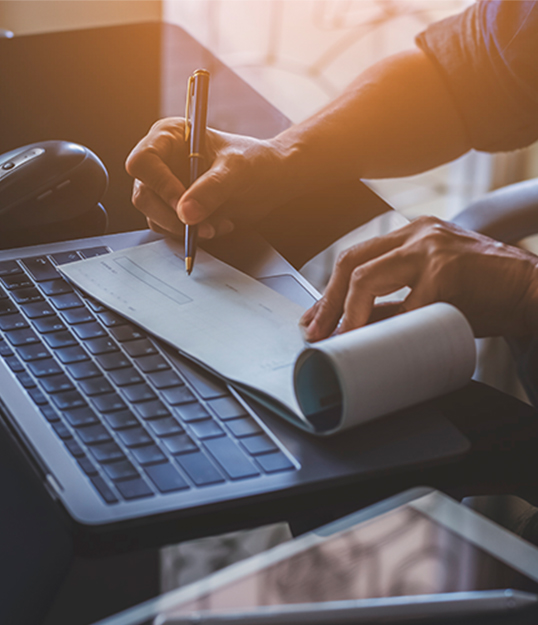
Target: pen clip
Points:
(188, 125)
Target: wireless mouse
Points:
(48, 183)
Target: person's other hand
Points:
(494, 285)
(244, 180)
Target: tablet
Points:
(415, 555)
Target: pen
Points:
(195, 129)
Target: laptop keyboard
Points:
(136, 423)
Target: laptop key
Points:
(66, 301)
(14, 364)
(103, 489)
(91, 252)
(45, 367)
(80, 417)
(36, 310)
(125, 331)
(191, 412)
(49, 413)
(259, 444)
(71, 355)
(5, 349)
(149, 364)
(37, 396)
(116, 360)
(151, 409)
(74, 448)
(65, 257)
(96, 306)
(135, 437)
(166, 478)
(90, 330)
(178, 395)
(61, 430)
(121, 420)
(93, 434)
(8, 267)
(134, 489)
(206, 429)
(12, 322)
(208, 389)
(56, 383)
(106, 452)
(33, 352)
(243, 427)
(87, 466)
(96, 386)
(111, 320)
(227, 408)
(100, 346)
(109, 402)
(143, 347)
(24, 336)
(40, 268)
(75, 316)
(274, 462)
(48, 324)
(231, 458)
(124, 377)
(56, 287)
(83, 370)
(7, 307)
(200, 470)
(167, 426)
(16, 280)
(26, 380)
(138, 392)
(55, 340)
(27, 295)
(180, 444)
(164, 379)
(68, 400)
(122, 470)
(149, 454)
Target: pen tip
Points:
(188, 264)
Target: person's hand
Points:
(494, 285)
(244, 181)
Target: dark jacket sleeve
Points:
(488, 58)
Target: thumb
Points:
(208, 193)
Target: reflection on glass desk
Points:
(419, 544)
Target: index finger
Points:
(149, 163)
(330, 307)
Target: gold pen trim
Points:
(188, 264)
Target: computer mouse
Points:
(48, 182)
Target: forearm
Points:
(395, 119)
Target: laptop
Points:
(124, 433)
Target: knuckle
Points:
(344, 261)
(357, 275)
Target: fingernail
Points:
(206, 231)
(311, 331)
(189, 210)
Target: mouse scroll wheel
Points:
(9, 165)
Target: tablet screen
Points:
(402, 552)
